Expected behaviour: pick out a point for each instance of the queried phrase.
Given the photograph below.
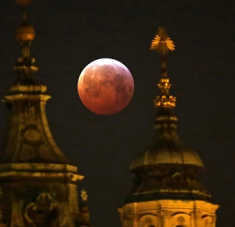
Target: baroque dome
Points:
(167, 169)
(166, 151)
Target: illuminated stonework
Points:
(168, 213)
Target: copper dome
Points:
(165, 153)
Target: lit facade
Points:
(169, 213)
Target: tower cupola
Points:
(167, 167)
(167, 189)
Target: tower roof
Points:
(167, 148)
(28, 139)
(167, 169)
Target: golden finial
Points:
(162, 42)
(23, 2)
(84, 195)
(25, 32)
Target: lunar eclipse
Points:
(105, 86)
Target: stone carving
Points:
(208, 221)
(44, 212)
(126, 223)
(181, 220)
(148, 221)
(31, 134)
(31, 142)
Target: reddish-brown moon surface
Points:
(105, 86)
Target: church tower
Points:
(167, 190)
(38, 185)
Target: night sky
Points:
(72, 33)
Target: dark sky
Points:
(72, 33)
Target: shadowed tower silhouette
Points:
(38, 184)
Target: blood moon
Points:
(105, 86)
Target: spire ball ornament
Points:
(25, 32)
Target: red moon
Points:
(105, 86)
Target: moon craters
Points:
(105, 86)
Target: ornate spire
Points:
(167, 169)
(38, 184)
(167, 183)
(26, 100)
(25, 34)
(163, 44)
